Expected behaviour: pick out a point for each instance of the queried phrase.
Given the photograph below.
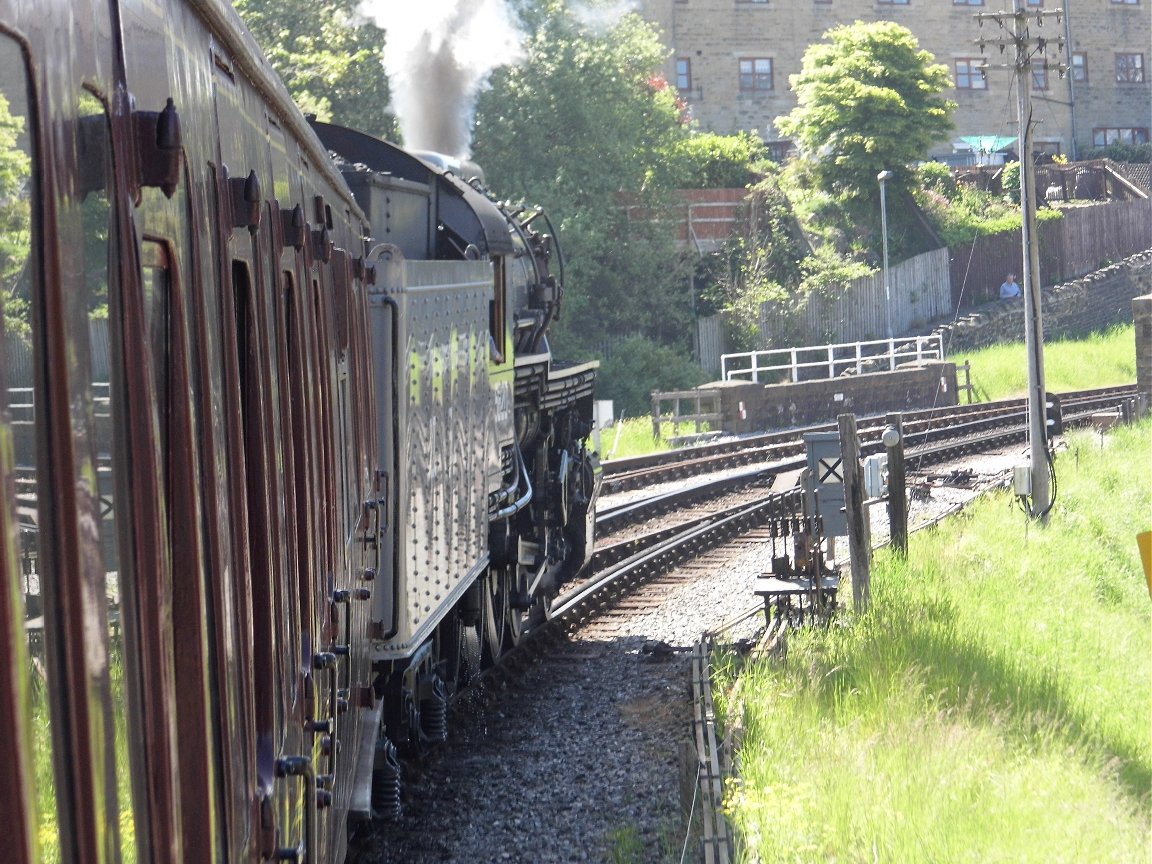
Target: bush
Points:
(636, 367)
(707, 160)
(937, 177)
(1122, 152)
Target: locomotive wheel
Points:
(494, 618)
(503, 621)
(458, 651)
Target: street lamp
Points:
(884, 177)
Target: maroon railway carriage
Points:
(183, 540)
(285, 458)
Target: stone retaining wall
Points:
(1142, 315)
(748, 407)
(1094, 302)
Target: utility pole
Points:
(1029, 53)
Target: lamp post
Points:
(884, 177)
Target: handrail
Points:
(834, 358)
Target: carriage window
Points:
(18, 432)
(100, 466)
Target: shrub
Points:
(707, 160)
(636, 367)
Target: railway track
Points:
(629, 576)
(921, 428)
(591, 676)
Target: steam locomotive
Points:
(286, 459)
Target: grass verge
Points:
(1102, 359)
(993, 706)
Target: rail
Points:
(715, 836)
(831, 360)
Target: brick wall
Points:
(750, 407)
(704, 218)
(1095, 302)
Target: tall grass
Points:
(631, 437)
(1099, 360)
(994, 705)
(48, 829)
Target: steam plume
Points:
(439, 56)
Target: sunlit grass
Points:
(994, 706)
(631, 437)
(1101, 360)
(48, 833)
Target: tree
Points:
(869, 101)
(15, 223)
(581, 120)
(330, 60)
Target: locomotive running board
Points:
(361, 805)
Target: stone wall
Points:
(748, 407)
(1094, 302)
(1142, 315)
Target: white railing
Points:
(832, 360)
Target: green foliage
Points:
(15, 223)
(329, 59)
(638, 366)
(1119, 151)
(578, 122)
(828, 273)
(750, 271)
(868, 101)
(1010, 179)
(937, 177)
(960, 213)
(707, 160)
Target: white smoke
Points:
(599, 18)
(439, 55)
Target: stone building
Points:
(731, 60)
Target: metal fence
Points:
(814, 362)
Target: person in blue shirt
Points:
(1009, 288)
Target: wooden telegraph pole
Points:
(1027, 54)
(858, 546)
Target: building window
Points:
(967, 2)
(1102, 137)
(683, 74)
(1080, 67)
(970, 76)
(1039, 77)
(1130, 68)
(739, 2)
(1127, 2)
(756, 74)
(892, 2)
(1035, 2)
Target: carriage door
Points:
(284, 807)
(71, 697)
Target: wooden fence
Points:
(1085, 239)
(920, 293)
